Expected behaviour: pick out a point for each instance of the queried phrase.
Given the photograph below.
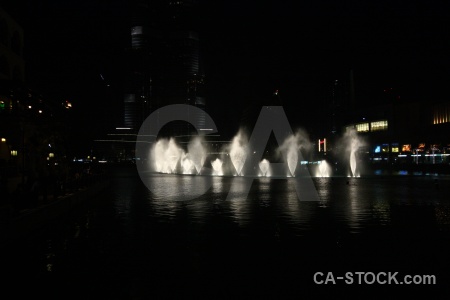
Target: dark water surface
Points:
(130, 244)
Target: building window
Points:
(441, 113)
(406, 148)
(379, 125)
(362, 127)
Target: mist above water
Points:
(290, 149)
(197, 153)
(238, 150)
(264, 166)
(166, 154)
(217, 166)
(353, 143)
(323, 169)
(168, 157)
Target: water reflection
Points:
(131, 233)
(239, 200)
(177, 188)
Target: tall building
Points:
(12, 64)
(33, 129)
(164, 62)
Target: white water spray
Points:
(291, 146)
(217, 167)
(353, 144)
(197, 153)
(238, 151)
(323, 169)
(264, 167)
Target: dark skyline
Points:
(250, 49)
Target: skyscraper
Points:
(12, 64)
(164, 62)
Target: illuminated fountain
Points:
(197, 153)
(238, 152)
(264, 166)
(323, 169)
(217, 167)
(187, 165)
(168, 157)
(353, 143)
(291, 147)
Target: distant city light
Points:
(40, 111)
(67, 104)
(3, 140)
(13, 152)
(324, 147)
(29, 106)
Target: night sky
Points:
(250, 49)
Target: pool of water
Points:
(133, 243)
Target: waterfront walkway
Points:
(17, 221)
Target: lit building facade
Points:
(441, 113)
(405, 134)
(165, 65)
(33, 131)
